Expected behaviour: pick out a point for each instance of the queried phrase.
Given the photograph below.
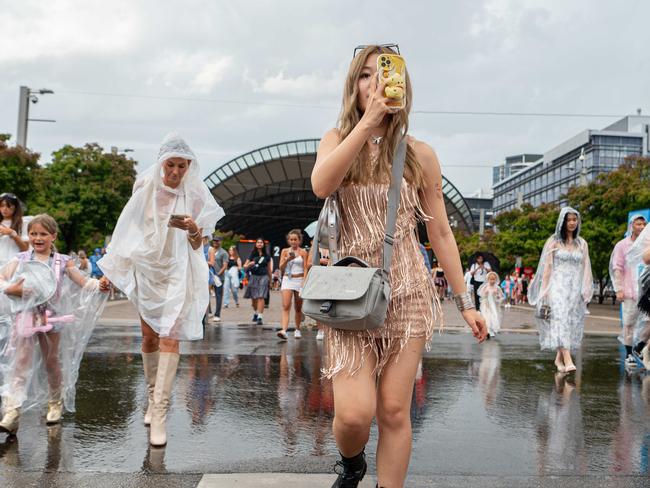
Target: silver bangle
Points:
(464, 301)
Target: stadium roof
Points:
(267, 192)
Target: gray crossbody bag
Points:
(351, 295)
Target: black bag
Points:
(644, 291)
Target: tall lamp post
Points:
(28, 95)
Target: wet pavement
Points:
(483, 415)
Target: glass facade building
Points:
(576, 161)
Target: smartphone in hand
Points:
(391, 70)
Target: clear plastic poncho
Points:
(624, 272)
(39, 361)
(634, 256)
(491, 297)
(563, 281)
(154, 264)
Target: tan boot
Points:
(150, 365)
(54, 411)
(9, 422)
(167, 364)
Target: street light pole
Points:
(27, 95)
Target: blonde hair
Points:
(295, 232)
(45, 221)
(492, 273)
(397, 127)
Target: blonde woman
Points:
(373, 371)
(156, 258)
(293, 261)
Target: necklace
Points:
(376, 139)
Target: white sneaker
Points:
(645, 354)
(217, 319)
(320, 335)
(297, 334)
(282, 335)
(630, 362)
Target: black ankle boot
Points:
(350, 470)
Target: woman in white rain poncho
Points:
(563, 282)
(637, 258)
(158, 262)
(53, 311)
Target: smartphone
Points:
(391, 70)
(178, 217)
(292, 254)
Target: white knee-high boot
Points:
(167, 365)
(150, 366)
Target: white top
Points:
(481, 273)
(295, 266)
(8, 247)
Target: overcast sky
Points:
(184, 66)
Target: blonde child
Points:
(41, 358)
(491, 296)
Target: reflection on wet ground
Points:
(243, 399)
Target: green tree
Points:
(19, 170)
(85, 189)
(604, 205)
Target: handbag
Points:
(644, 291)
(351, 295)
(543, 312)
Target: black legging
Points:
(476, 285)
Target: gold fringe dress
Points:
(414, 308)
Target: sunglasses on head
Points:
(360, 48)
(9, 196)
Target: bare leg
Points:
(286, 308)
(566, 357)
(150, 340)
(394, 415)
(354, 407)
(49, 343)
(297, 304)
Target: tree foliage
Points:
(85, 189)
(19, 170)
(603, 203)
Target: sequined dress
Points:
(566, 325)
(414, 308)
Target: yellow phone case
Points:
(391, 69)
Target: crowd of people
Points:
(165, 258)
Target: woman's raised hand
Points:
(377, 107)
(15, 289)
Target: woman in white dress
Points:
(293, 261)
(156, 259)
(561, 289)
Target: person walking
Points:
(479, 271)
(439, 280)
(156, 259)
(231, 285)
(624, 278)
(562, 288)
(491, 296)
(218, 260)
(355, 160)
(95, 271)
(41, 362)
(260, 266)
(293, 261)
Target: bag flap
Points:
(337, 283)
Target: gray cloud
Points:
(531, 56)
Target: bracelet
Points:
(194, 235)
(464, 301)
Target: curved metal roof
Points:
(267, 191)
